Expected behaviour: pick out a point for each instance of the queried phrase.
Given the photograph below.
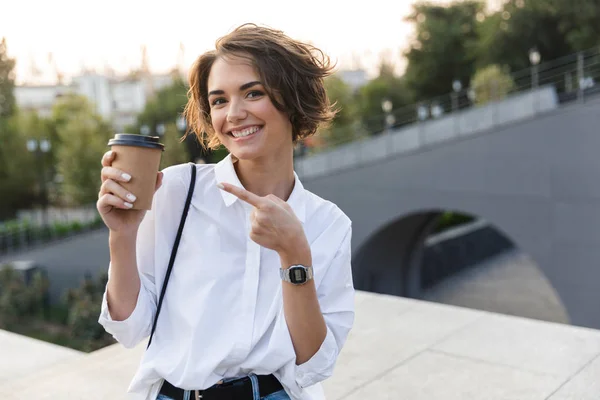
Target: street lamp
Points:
(38, 148)
(160, 129)
(422, 112)
(456, 87)
(436, 111)
(181, 124)
(390, 120)
(45, 145)
(534, 59)
(387, 106)
(32, 145)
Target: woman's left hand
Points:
(274, 224)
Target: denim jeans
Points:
(280, 395)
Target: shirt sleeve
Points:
(137, 326)
(157, 229)
(336, 298)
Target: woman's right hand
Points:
(115, 202)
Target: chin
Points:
(246, 154)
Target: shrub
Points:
(84, 308)
(450, 220)
(20, 299)
(491, 83)
(76, 226)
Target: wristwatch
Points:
(296, 274)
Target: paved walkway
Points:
(510, 283)
(398, 349)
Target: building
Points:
(354, 78)
(118, 100)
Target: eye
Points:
(218, 101)
(254, 94)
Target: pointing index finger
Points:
(242, 194)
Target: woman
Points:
(260, 299)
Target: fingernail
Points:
(220, 186)
(128, 205)
(131, 197)
(110, 153)
(125, 176)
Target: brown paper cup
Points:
(141, 161)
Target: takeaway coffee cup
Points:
(139, 156)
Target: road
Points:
(69, 260)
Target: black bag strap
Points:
(175, 247)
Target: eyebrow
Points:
(242, 88)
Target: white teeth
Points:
(245, 132)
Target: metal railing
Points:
(538, 89)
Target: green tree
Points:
(491, 83)
(343, 128)
(444, 47)
(164, 107)
(16, 174)
(579, 22)
(17, 177)
(30, 125)
(7, 82)
(83, 137)
(175, 150)
(507, 36)
(370, 97)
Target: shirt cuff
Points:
(131, 330)
(320, 366)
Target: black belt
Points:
(239, 389)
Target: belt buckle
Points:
(197, 395)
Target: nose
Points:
(236, 111)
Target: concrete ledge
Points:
(399, 349)
(20, 356)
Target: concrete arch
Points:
(390, 260)
(402, 239)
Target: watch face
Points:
(297, 275)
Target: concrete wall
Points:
(536, 181)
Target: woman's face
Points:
(243, 116)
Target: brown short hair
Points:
(292, 73)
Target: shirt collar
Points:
(225, 172)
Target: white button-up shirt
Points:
(222, 315)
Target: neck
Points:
(268, 175)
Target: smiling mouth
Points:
(245, 132)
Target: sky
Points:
(92, 34)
